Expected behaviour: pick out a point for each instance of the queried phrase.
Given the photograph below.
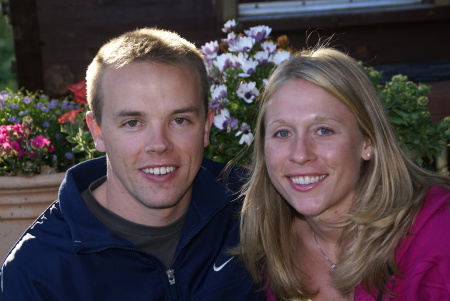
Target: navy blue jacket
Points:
(68, 254)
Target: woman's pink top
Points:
(423, 257)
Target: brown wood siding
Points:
(55, 40)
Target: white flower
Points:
(229, 26)
(247, 91)
(246, 133)
(242, 44)
(280, 57)
(223, 121)
(258, 32)
(210, 49)
(262, 57)
(223, 61)
(269, 47)
(218, 92)
(248, 67)
(219, 119)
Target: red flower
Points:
(70, 116)
(79, 91)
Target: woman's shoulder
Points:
(437, 204)
(431, 225)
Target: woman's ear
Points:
(367, 151)
(96, 131)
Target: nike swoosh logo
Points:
(216, 269)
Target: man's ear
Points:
(208, 124)
(367, 151)
(96, 131)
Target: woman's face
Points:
(314, 149)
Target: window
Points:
(262, 8)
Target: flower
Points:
(21, 152)
(32, 131)
(238, 67)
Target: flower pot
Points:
(22, 200)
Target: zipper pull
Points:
(173, 288)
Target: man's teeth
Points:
(159, 170)
(307, 180)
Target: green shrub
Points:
(405, 101)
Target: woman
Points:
(334, 210)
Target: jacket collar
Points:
(209, 196)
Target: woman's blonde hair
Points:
(389, 193)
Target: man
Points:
(152, 220)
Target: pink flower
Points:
(6, 145)
(15, 145)
(40, 142)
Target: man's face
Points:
(154, 130)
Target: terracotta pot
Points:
(22, 200)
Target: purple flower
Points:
(262, 57)
(229, 26)
(14, 106)
(247, 91)
(259, 33)
(223, 121)
(215, 105)
(68, 155)
(224, 61)
(27, 99)
(269, 47)
(14, 119)
(218, 92)
(248, 67)
(53, 103)
(242, 44)
(246, 133)
(23, 113)
(231, 37)
(210, 49)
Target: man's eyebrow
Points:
(125, 113)
(190, 109)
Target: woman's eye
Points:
(282, 134)
(325, 131)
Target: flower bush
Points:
(21, 152)
(32, 136)
(238, 67)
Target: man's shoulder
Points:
(46, 235)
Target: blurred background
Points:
(47, 44)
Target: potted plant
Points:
(35, 151)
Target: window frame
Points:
(424, 11)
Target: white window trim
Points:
(314, 6)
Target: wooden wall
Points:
(55, 40)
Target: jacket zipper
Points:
(173, 289)
(170, 272)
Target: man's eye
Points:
(180, 120)
(132, 123)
